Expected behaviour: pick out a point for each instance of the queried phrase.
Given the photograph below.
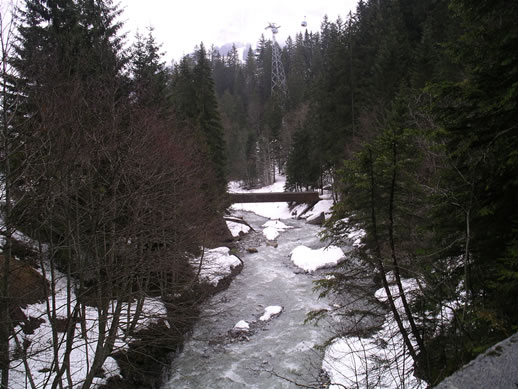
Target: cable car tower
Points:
(279, 85)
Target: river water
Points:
(277, 354)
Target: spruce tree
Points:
(183, 92)
(149, 77)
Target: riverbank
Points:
(279, 352)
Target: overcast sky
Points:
(180, 25)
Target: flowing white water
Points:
(279, 353)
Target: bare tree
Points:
(9, 105)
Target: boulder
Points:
(272, 243)
(26, 285)
(495, 368)
(316, 219)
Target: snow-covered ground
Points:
(379, 361)
(237, 229)
(269, 210)
(40, 350)
(323, 205)
(276, 211)
(279, 210)
(216, 264)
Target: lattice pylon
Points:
(279, 85)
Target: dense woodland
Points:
(104, 165)
(406, 109)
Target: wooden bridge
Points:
(274, 197)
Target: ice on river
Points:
(280, 347)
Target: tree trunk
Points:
(381, 266)
(395, 262)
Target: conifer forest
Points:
(115, 163)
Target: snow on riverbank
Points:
(269, 210)
(379, 361)
(36, 337)
(237, 229)
(310, 260)
(324, 205)
(276, 211)
(216, 264)
(40, 352)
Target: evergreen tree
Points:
(149, 83)
(263, 54)
(183, 92)
(480, 132)
(302, 168)
(195, 105)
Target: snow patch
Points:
(269, 210)
(40, 351)
(270, 311)
(237, 229)
(271, 233)
(216, 264)
(273, 228)
(277, 224)
(310, 260)
(322, 206)
(242, 326)
(378, 361)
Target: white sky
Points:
(181, 25)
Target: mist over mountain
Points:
(241, 47)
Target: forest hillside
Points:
(114, 166)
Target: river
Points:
(279, 353)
